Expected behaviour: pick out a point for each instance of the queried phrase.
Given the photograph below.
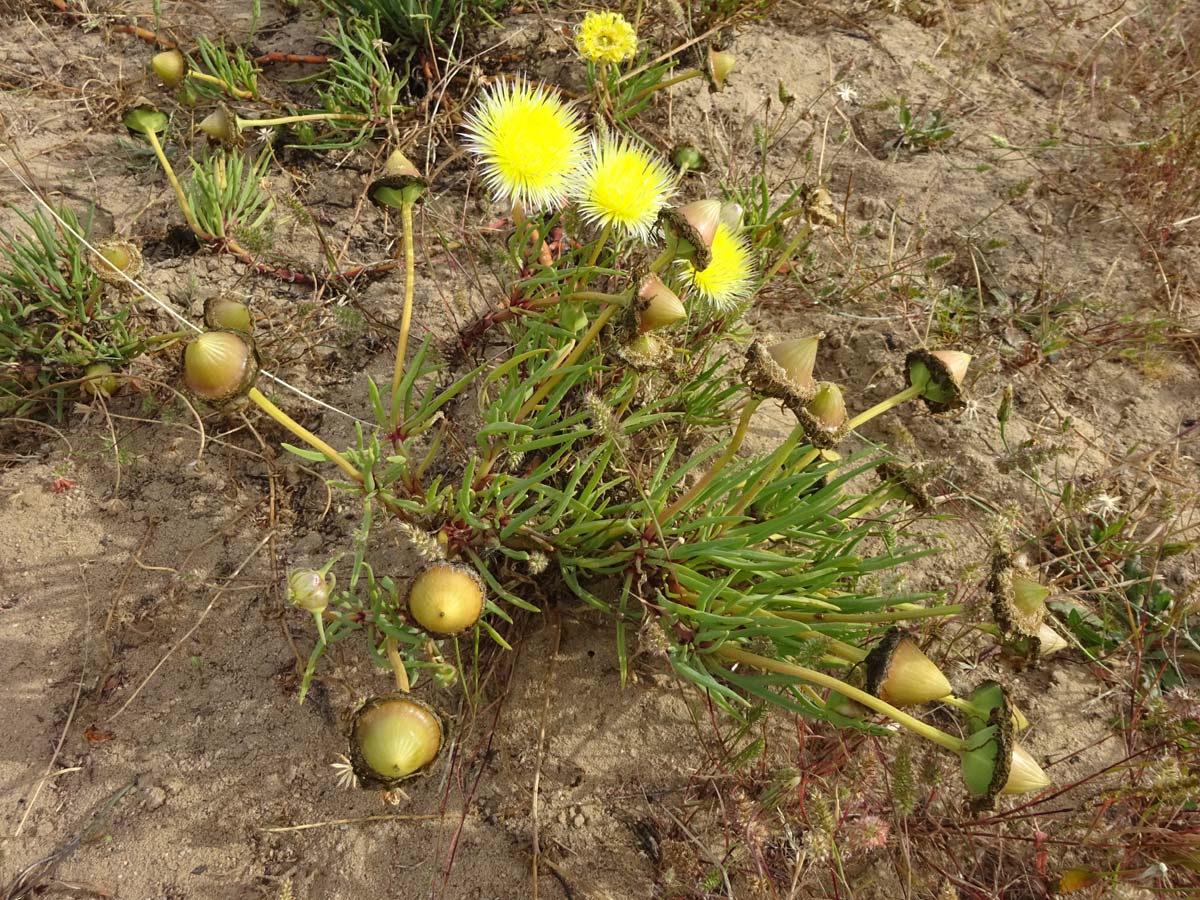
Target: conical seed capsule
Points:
(1049, 640)
(658, 306)
(170, 66)
(393, 737)
(1029, 595)
(401, 183)
(940, 377)
(898, 672)
(828, 407)
(224, 312)
(446, 598)
(221, 126)
(308, 589)
(720, 64)
(220, 365)
(1024, 774)
(798, 358)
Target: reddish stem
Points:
(312, 59)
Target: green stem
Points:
(735, 443)
(406, 219)
(664, 259)
(812, 676)
(304, 434)
(884, 405)
(803, 234)
(319, 618)
(678, 79)
(184, 205)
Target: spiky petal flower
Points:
(531, 143)
(605, 37)
(623, 186)
(729, 276)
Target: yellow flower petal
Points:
(623, 186)
(530, 142)
(606, 37)
(729, 276)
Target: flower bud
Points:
(657, 305)
(222, 126)
(393, 737)
(224, 312)
(898, 672)
(170, 66)
(144, 120)
(400, 185)
(940, 377)
(220, 365)
(446, 598)
(308, 589)
(99, 380)
(720, 64)
(687, 158)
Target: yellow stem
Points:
(307, 117)
(213, 79)
(884, 405)
(406, 219)
(184, 205)
(735, 444)
(304, 434)
(401, 673)
(812, 676)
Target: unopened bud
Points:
(308, 589)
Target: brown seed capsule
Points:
(393, 737)
(446, 598)
(220, 366)
(898, 672)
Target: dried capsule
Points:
(115, 261)
(939, 375)
(393, 737)
(693, 227)
(657, 306)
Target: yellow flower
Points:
(530, 141)
(729, 276)
(623, 186)
(605, 37)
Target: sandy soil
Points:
(151, 734)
